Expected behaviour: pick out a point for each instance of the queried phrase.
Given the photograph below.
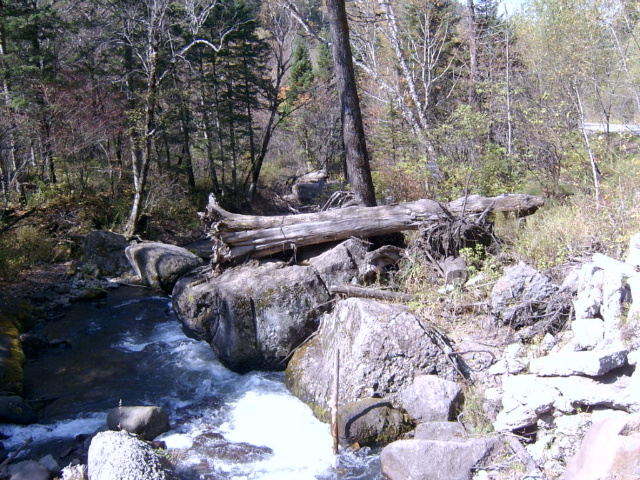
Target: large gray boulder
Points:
(521, 296)
(160, 265)
(371, 422)
(105, 252)
(255, 316)
(122, 456)
(418, 459)
(382, 347)
(146, 421)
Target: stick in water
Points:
(334, 406)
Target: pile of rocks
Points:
(581, 378)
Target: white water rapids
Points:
(204, 400)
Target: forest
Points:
(124, 115)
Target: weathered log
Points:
(238, 235)
(362, 292)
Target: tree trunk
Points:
(245, 235)
(473, 53)
(357, 158)
(142, 159)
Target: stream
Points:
(130, 349)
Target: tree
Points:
(357, 157)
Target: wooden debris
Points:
(237, 236)
(362, 292)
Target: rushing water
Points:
(131, 349)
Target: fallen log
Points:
(362, 292)
(238, 235)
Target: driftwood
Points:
(363, 292)
(237, 236)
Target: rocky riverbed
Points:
(520, 392)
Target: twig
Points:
(4, 464)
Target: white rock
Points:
(581, 392)
(571, 282)
(587, 333)
(548, 342)
(539, 449)
(599, 415)
(633, 257)
(633, 357)
(634, 310)
(612, 295)
(591, 363)
(573, 424)
(514, 360)
(524, 400)
(527, 398)
(611, 265)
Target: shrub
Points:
(21, 248)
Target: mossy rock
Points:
(90, 294)
(371, 422)
(11, 357)
(20, 313)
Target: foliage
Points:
(479, 262)
(23, 248)
(473, 415)
(572, 229)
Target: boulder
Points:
(254, 317)
(435, 459)
(122, 456)
(382, 347)
(589, 295)
(432, 399)
(214, 445)
(371, 422)
(587, 333)
(591, 363)
(28, 470)
(611, 449)
(50, 463)
(308, 188)
(13, 409)
(521, 296)
(524, 400)
(160, 265)
(633, 256)
(341, 264)
(11, 357)
(440, 431)
(146, 421)
(633, 315)
(105, 252)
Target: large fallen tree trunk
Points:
(256, 236)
